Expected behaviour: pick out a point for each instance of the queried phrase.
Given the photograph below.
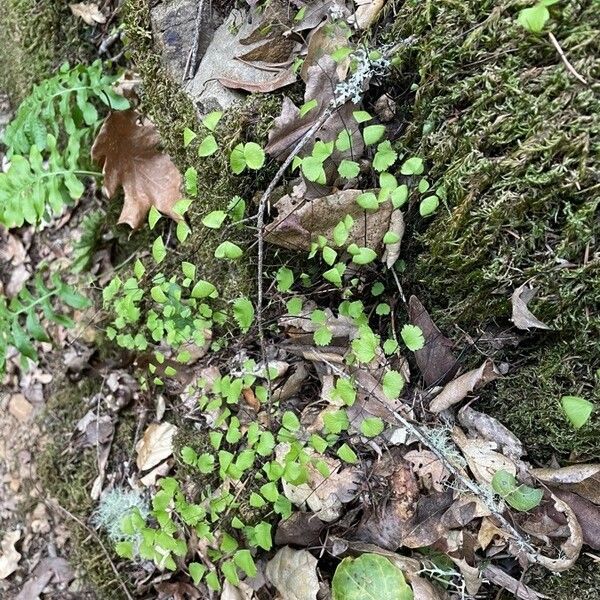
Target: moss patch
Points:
(67, 476)
(514, 138)
(36, 37)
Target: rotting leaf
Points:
(522, 317)
(88, 12)
(435, 360)
(583, 480)
(294, 574)
(127, 151)
(459, 388)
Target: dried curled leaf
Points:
(127, 151)
(457, 390)
(155, 445)
(9, 559)
(522, 317)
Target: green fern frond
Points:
(91, 232)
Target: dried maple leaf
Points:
(89, 12)
(126, 148)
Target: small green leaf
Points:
(364, 256)
(520, 497)
(182, 231)
(229, 569)
(373, 133)
(159, 252)
(423, 186)
(577, 410)
(256, 500)
(382, 309)
(290, 421)
(322, 336)
(391, 237)
(339, 54)
(348, 169)
(336, 421)
(208, 146)
(125, 550)
(243, 559)
(368, 201)
(191, 182)
(312, 169)
(211, 120)
(372, 427)
(188, 269)
(285, 279)
(188, 137)
(205, 463)
(237, 160)
(214, 219)
(399, 196)
(347, 454)
(428, 205)
(534, 18)
(254, 156)
(385, 156)
(393, 384)
(329, 255)
(294, 306)
(196, 571)
(228, 250)
(412, 166)
(243, 312)
(343, 141)
(390, 346)
(139, 269)
(412, 337)
(307, 107)
(360, 116)
(262, 534)
(203, 289)
(333, 275)
(153, 217)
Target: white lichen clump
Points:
(114, 506)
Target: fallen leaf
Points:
(471, 575)
(459, 388)
(178, 590)
(323, 41)
(94, 429)
(49, 569)
(435, 360)
(299, 222)
(9, 559)
(155, 445)
(428, 468)
(89, 12)
(392, 251)
(580, 479)
(366, 13)
(300, 529)
(278, 81)
(488, 531)
(481, 457)
(491, 429)
(20, 408)
(588, 516)
(522, 317)
(127, 152)
(241, 591)
(294, 574)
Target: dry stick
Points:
(55, 505)
(470, 485)
(565, 60)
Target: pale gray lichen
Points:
(114, 506)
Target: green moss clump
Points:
(529, 402)
(515, 139)
(582, 581)
(36, 37)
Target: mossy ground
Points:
(514, 138)
(35, 39)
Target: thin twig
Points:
(565, 60)
(56, 505)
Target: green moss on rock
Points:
(36, 37)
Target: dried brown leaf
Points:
(300, 529)
(588, 516)
(580, 479)
(435, 360)
(392, 251)
(429, 469)
(281, 79)
(522, 317)
(367, 12)
(491, 429)
(294, 574)
(505, 581)
(127, 152)
(155, 445)
(89, 12)
(459, 388)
